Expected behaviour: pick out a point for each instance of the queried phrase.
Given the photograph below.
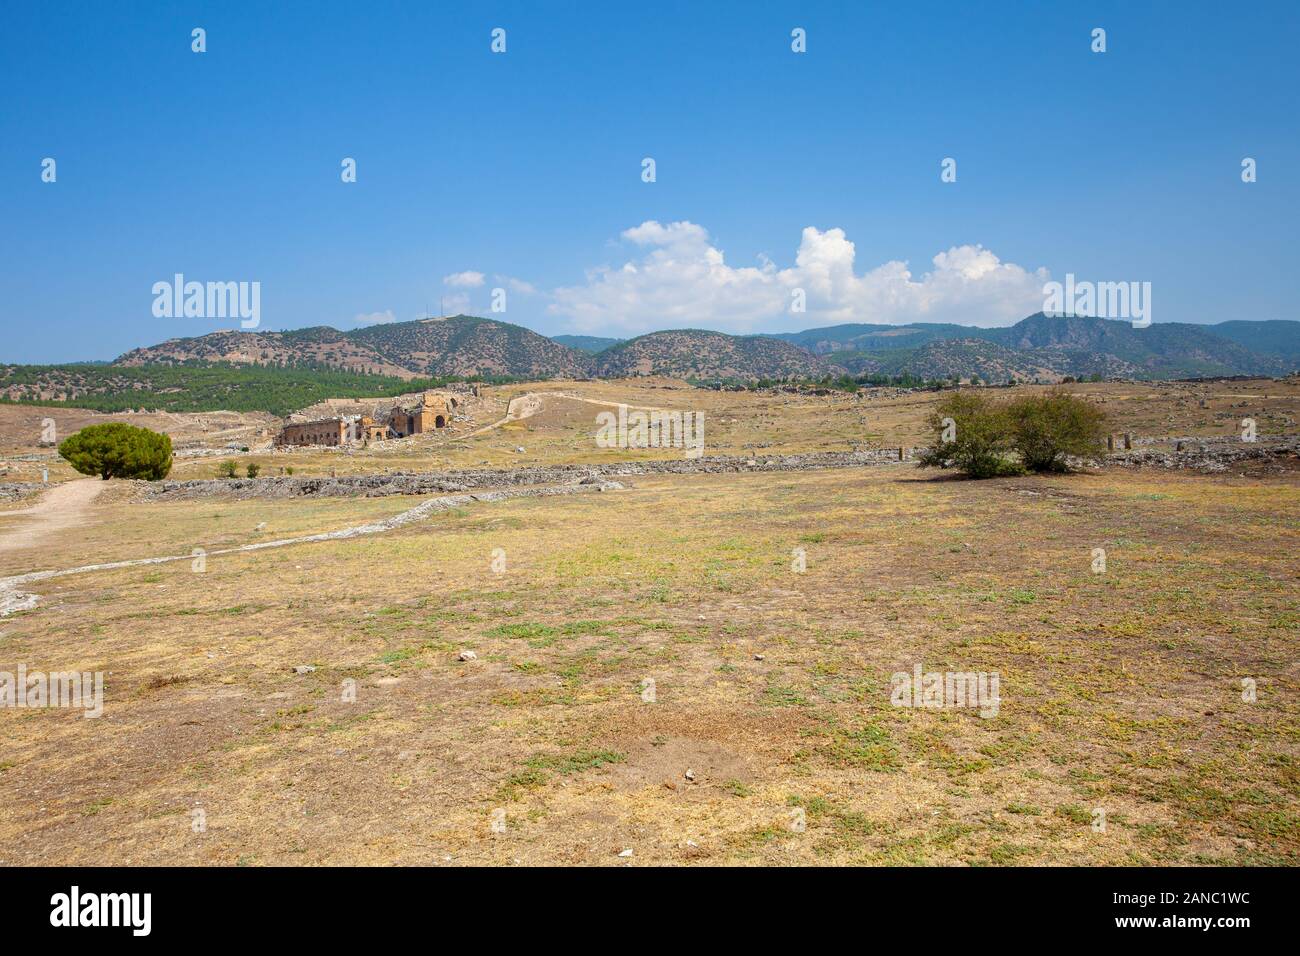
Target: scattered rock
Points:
(423, 483)
(468, 656)
(690, 774)
(304, 668)
(12, 491)
(1204, 454)
(625, 853)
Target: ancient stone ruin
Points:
(427, 411)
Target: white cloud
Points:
(466, 280)
(682, 280)
(377, 318)
(517, 285)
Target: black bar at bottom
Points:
(212, 906)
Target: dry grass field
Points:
(748, 423)
(655, 674)
(737, 423)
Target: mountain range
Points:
(1038, 347)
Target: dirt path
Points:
(13, 599)
(530, 403)
(522, 406)
(62, 506)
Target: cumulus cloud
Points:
(377, 318)
(465, 280)
(682, 279)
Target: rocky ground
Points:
(434, 482)
(697, 668)
(1208, 455)
(1188, 454)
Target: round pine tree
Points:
(116, 450)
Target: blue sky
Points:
(526, 167)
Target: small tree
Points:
(1047, 428)
(226, 469)
(972, 434)
(253, 469)
(117, 450)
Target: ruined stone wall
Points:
(1210, 458)
(409, 483)
(13, 490)
(1201, 454)
(329, 431)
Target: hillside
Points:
(1164, 350)
(692, 353)
(1039, 346)
(960, 358)
(282, 371)
(858, 337)
(1274, 337)
(193, 388)
(1075, 346)
(466, 345)
(319, 346)
(1066, 346)
(461, 345)
(585, 343)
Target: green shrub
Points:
(253, 469)
(1029, 433)
(226, 469)
(979, 436)
(1047, 428)
(117, 450)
